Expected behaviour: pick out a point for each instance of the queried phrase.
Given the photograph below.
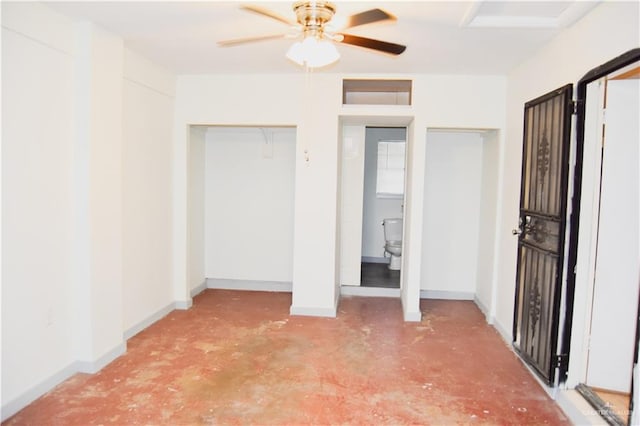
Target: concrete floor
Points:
(239, 358)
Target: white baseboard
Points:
(199, 289)
(251, 285)
(132, 331)
(506, 335)
(483, 308)
(370, 259)
(313, 311)
(446, 295)
(183, 305)
(408, 314)
(412, 316)
(92, 367)
(354, 290)
(17, 404)
(579, 411)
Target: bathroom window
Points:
(390, 169)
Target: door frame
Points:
(575, 202)
(383, 120)
(577, 305)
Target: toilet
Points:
(393, 241)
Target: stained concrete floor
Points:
(239, 358)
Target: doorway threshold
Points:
(355, 290)
(604, 409)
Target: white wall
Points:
(37, 199)
(79, 111)
(485, 278)
(351, 190)
(608, 31)
(453, 183)
(196, 196)
(276, 100)
(316, 253)
(98, 196)
(249, 203)
(148, 97)
(65, 124)
(410, 273)
(376, 209)
(439, 101)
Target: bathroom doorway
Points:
(382, 206)
(366, 200)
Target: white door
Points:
(617, 266)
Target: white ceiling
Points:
(452, 37)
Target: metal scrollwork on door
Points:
(545, 162)
(539, 231)
(534, 305)
(543, 153)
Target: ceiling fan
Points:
(313, 23)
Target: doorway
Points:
(382, 205)
(608, 245)
(355, 232)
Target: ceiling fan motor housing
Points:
(313, 15)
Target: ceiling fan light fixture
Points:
(313, 52)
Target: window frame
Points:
(393, 195)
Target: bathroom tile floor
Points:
(240, 358)
(378, 275)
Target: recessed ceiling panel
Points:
(535, 9)
(526, 14)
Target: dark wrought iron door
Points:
(543, 205)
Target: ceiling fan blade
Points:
(368, 17)
(236, 41)
(369, 43)
(268, 13)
